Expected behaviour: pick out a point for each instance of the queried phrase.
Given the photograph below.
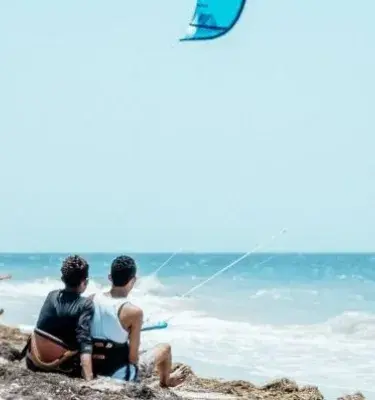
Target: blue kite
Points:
(214, 18)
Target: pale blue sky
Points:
(115, 136)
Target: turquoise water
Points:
(307, 316)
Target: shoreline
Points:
(16, 382)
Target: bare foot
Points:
(178, 376)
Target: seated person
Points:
(116, 331)
(61, 341)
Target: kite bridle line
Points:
(166, 262)
(232, 264)
(158, 269)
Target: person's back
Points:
(106, 327)
(61, 341)
(106, 323)
(118, 323)
(67, 315)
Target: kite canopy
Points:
(214, 18)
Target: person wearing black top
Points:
(67, 316)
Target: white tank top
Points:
(106, 323)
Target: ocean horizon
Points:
(306, 316)
(205, 252)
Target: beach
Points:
(16, 382)
(307, 318)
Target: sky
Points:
(115, 136)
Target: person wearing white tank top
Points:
(117, 325)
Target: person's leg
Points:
(160, 357)
(163, 362)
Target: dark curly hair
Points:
(74, 270)
(123, 269)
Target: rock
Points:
(8, 352)
(355, 396)
(284, 385)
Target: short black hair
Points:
(123, 269)
(74, 270)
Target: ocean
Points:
(310, 317)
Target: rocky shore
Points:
(17, 383)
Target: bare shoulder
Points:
(131, 313)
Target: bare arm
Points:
(132, 319)
(86, 364)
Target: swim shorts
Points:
(146, 365)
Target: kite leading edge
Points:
(214, 18)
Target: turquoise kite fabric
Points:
(214, 18)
